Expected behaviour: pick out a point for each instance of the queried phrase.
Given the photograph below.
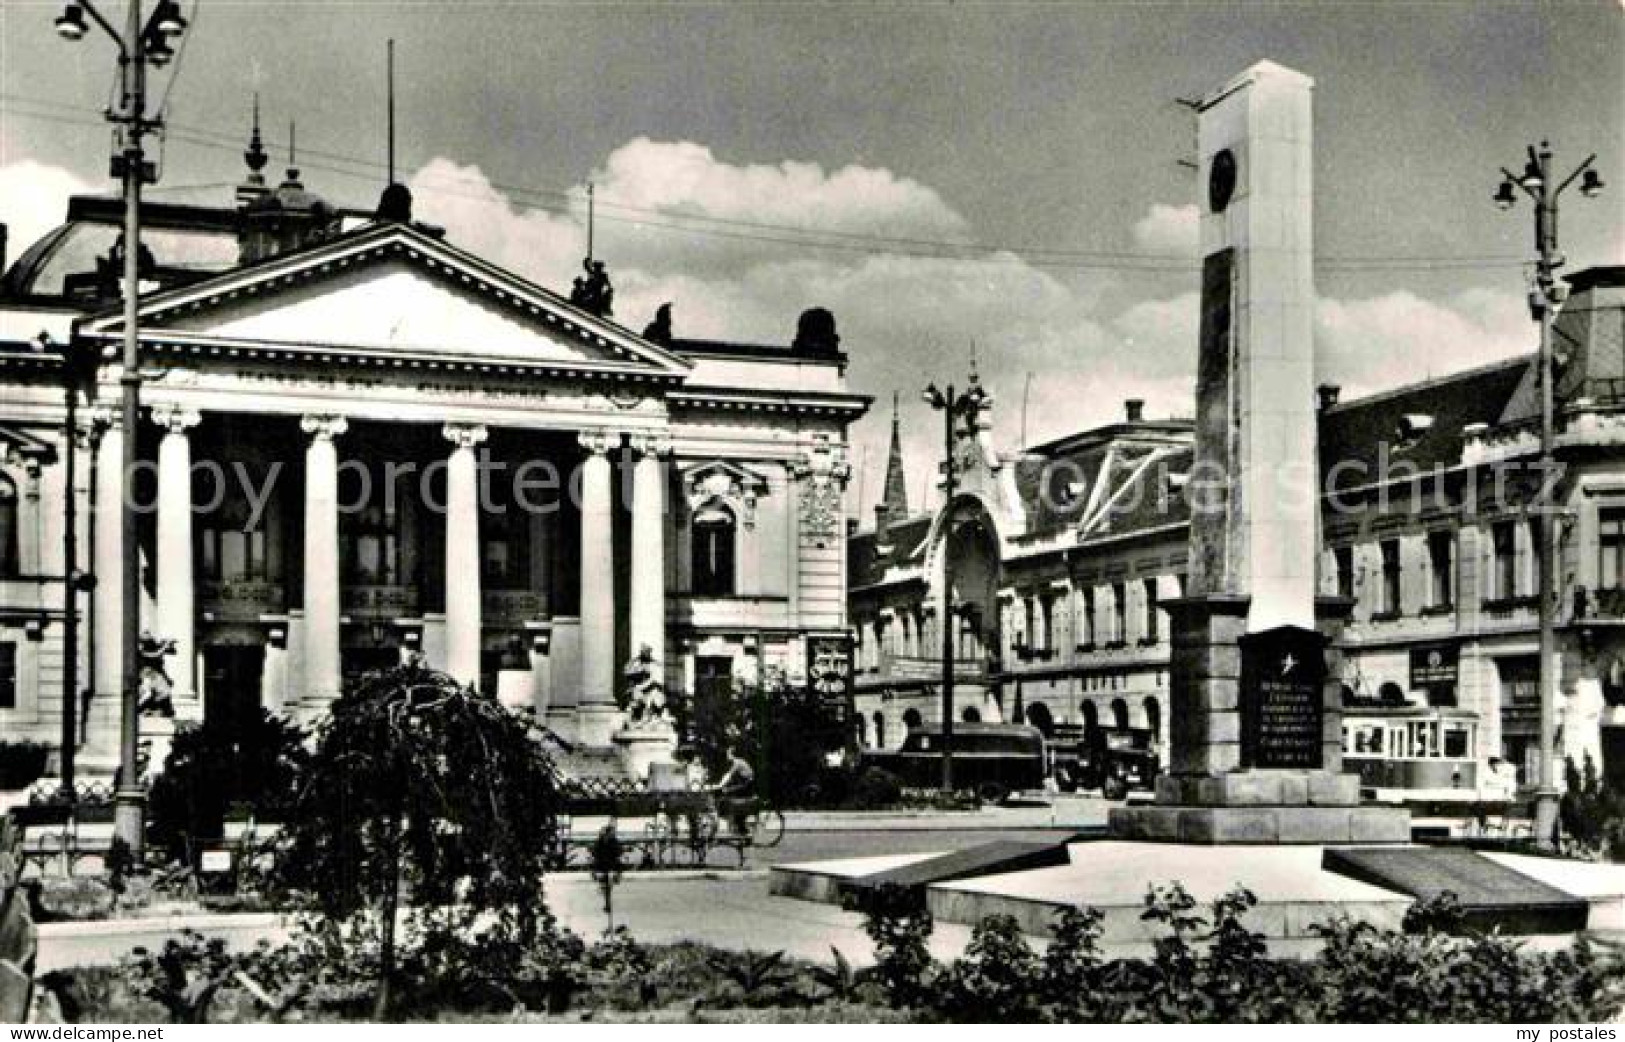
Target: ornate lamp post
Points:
(139, 45)
(953, 407)
(1545, 296)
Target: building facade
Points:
(360, 442)
(1064, 552)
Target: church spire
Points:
(893, 505)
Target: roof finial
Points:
(293, 151)
(975, 378)
(255, 157)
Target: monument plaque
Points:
(1283, 671)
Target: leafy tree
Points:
(253, 760)
(421, 789)
(783, 730)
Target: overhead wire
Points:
(561, 201)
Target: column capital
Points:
(599, 441)
(465, 435)
(105, 416)
(651, 443)
(323, 427)
(175, 418)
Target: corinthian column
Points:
(648, 609)
(463, 553)
(175, 619)
(322, 604)
(597, 713)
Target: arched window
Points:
(1091, 719)
(911, 719)
(1038, 715)
(1119, 714)
(1153, 718)
(10, 564)
(880, 729)
(713, 552)
(862, 727)
(971, 715)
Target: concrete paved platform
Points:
(1294, 892)
(1601, 886)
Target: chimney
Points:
(1329, 394)
(3, 235)
(1134, 409)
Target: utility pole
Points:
(139, 44)
(1545, 297)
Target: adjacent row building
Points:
(1064, 552)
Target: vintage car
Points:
(994, 760)
(1111, 760)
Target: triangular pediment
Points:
(392, 290)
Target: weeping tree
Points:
(424, 796)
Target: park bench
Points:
(660, 825)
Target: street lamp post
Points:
(952, 407)
(139, 45)
(1545, 296)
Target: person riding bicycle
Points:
(736, 790)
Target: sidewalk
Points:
(1062, 812)
(726, 909)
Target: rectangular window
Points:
(1391, 597)
(1046, 615)
(1441, 559)
(8, 676)
(1611, 548)
(1029, 623)
(1119, 614)
(1504, 547)
(1343, 562)
(1151, 612)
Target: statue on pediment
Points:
(592, 291)
(659, 331)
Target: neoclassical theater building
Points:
(1062, 553)
(361, 442)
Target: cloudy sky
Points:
(935, 174)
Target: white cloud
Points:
(33, 200)
(1397, 338)
(907, 319)
(1169, 230)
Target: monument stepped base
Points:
(1168, 823)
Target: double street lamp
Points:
(954, 407)
(1545, 296)
(142, 43)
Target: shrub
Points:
(998, 979)
(183, 976)
(22, 764)
(254, 761)
(899, 924)
(875, 789)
